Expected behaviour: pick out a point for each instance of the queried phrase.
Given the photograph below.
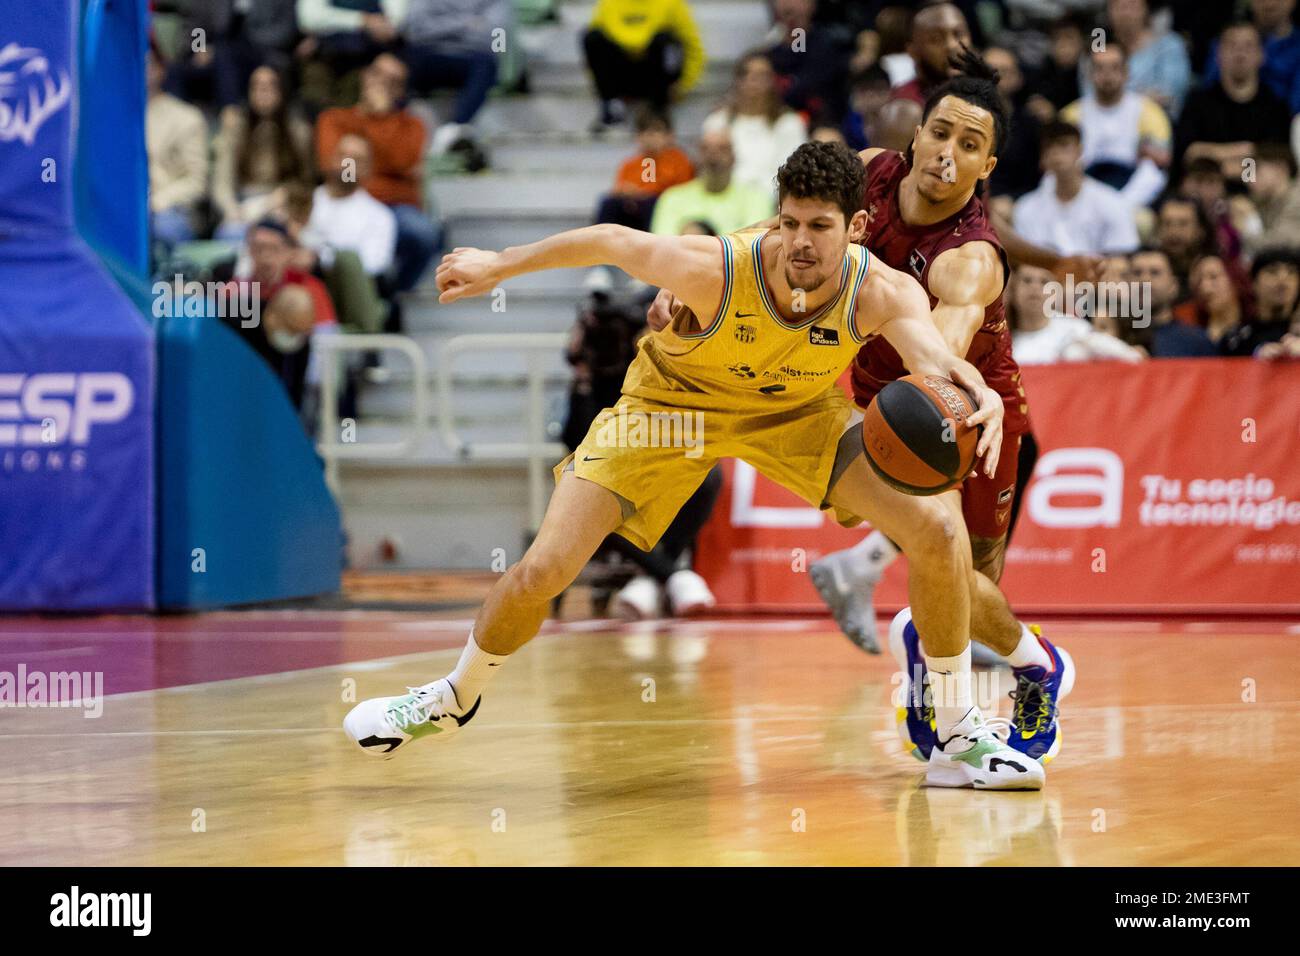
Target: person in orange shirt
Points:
(396, 137)
(658, 164)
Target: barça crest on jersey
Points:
(745, 334)
(916, 262)
(818, 336)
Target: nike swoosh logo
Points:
(462, 721)
(589, 458)
(746, 315)
(373, 741)
(993, 764)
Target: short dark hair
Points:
(1276, 153)
(1149, 250)
(872, 76)
(1241, 23)
(647, 118)
(828, 171)
(1056, 131)
(274, 225)
(977, 84)
(1202, 166)
(1272, 256)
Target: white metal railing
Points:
(534, 449)
(328, 443)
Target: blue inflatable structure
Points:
(140, 467)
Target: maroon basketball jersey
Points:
(912, 249)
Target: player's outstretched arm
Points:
(965, 280)
(900, 311)
(690, 265)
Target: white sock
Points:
(874, 553)
(950, 687)
(1029, 652)
(475, 668)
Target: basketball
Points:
(916, 437)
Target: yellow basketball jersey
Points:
(748, 358)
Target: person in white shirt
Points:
(1069, 212)
(764, 131)
(1127, 138)
(1041, 335)
(346, 217)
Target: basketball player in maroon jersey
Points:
(925, 218)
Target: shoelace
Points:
(1033, 705)
(999, 727)
(419, 705)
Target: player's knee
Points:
(934, 538)
(539, 579)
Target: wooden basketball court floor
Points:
(729, 741)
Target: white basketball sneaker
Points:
(975, 756)
(688, 593)
(638, 599)
(381, 725)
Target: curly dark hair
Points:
(977, 84)
(828, 171)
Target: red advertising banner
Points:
(1173, 485)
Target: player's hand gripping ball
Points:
(916, 437)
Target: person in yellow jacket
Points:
(641, 50)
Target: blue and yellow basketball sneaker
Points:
(1036, 703)
(915, 712)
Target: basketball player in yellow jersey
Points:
(787, 311)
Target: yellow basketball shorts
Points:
(654, 456)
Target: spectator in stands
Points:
(341, 38)
(224, 41)
(1127, 137)
(1170, 338)
(1184, 233)
(1070, 212)
(1228, 120)
(1056, 85)
(1203, 181)
(713, 196)
(894, 32)
(260, 152)
(939, 31)
(1158, 66)
(1275, 197)
(345, 217)
(1281, 71)
(641, 52)
(455, 44)
(176, 137)
(896, 124)
(1017, 171)
(293, 305)
(396, 138)
(1275, 275)
(868, 93)
(1217, 303)
(810, 59)
(764, 131)
(1041, 335)
(658, 164)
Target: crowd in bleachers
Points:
(1155, 136)
(1159, 136)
